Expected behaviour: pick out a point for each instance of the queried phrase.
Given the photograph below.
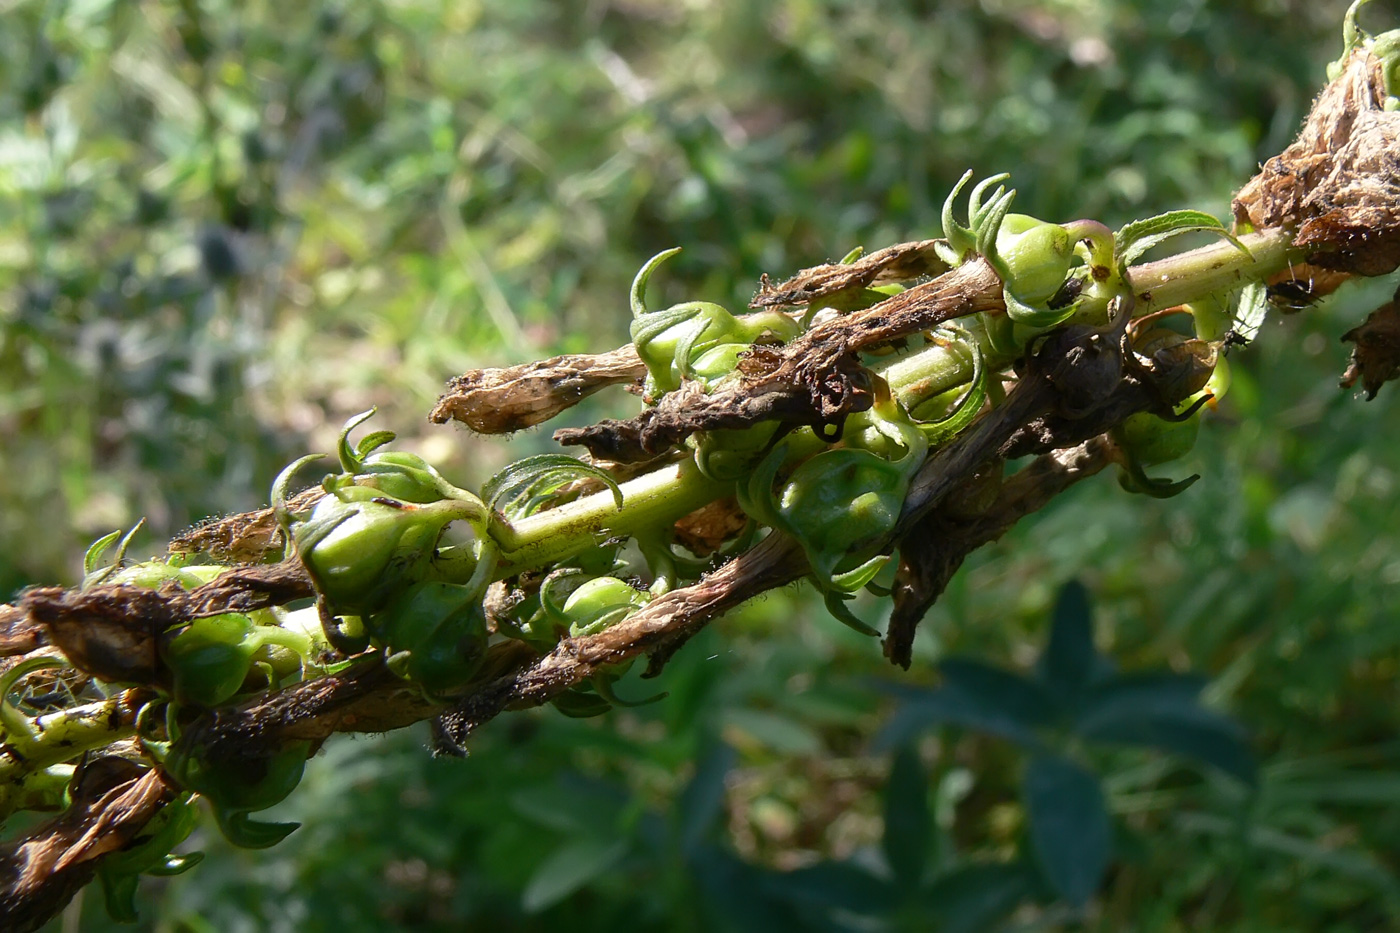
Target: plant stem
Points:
(653, 500)
(659, 498)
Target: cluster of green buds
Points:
(375, 549)
(214, 659)
(843, 503)
(696, 340)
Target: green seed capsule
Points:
(599, 603)
(434, 635)
(1036, 256)
(1152, 440)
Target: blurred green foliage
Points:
(226, 226)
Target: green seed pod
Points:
(842, 503)
(1035, 257)
(236, 787)
(1152, 440)
(210, 658)
(730, 454)
(360, 553)
(434, 635)
(600, 603)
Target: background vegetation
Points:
(226, 226)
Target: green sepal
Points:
(836, 605)
(577, 704)
(852, 581)
(246, 833)
(529, 484)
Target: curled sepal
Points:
(247, 833)
(528, 485)
(1134, 480)
(1139, 236)
(836, 605)
(960, 240)
(236, 786)
(434, 635)
(19, 729)
(402, 475)
(854, 580)
(91, 574)
(603, 683)
(756, 497)
(967, 406)
(580, 703)
(148, 854)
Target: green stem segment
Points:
(660, 498)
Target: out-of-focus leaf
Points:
(700, 803)
(973, 898)
(1193, 732)
(833, 885)
(980, 697)
(908, 826)
(1069, 827)
(735, 896)
(570, 868)
(1070, 662)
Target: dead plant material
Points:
(832, 282)
(499, 401)
(20, 633)
(245, 538)
(817, 380)
(705, 530)
(113, 632)
(113, 800)
(936, 547)
(1376, 358)
(1338, 184)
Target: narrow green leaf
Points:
(973, 898)
(1070, 832)
(908, 824)
(570, 868)
(832, 886)
(1193, 732)
(703, 798)
(974, 696)
(1070, 662)
(1139, 236)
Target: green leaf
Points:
(1253, 307)
(570, 868)
(834, 886)
(1161, 716)
(975, 696)
(908, 825)
(1139, 236)
(528, 484)
(973, 898)
(1070, 832)
(1070, 663)
(702, 800)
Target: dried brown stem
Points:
(113, 799)
(499, 401)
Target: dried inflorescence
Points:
(1334, 193)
